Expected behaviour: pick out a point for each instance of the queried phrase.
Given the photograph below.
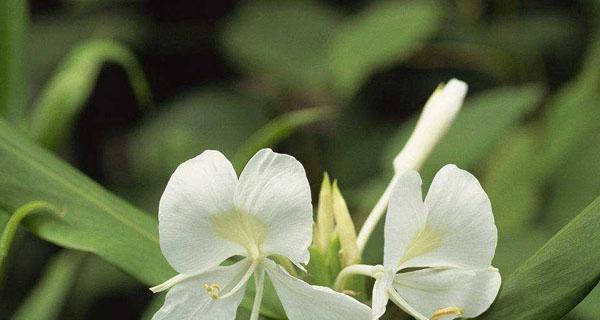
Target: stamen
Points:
(169, 283)
(213, 290)
(444, 312)
(242, 281)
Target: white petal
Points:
(274, 188)
(188, 300)
(380, 295)
(429, 290)
(460, 229)
(405, 218)
(199, 189)
(302, 301)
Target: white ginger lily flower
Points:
(208, 215)
(437, 252)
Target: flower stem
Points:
(356, 269)
(259, 277)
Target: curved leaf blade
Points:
(65, 95)
(95, 220)
(559, 276)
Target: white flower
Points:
(208, 215)
(438, 252)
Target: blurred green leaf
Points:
(65, 95)
(286, 41)
(279, 129)
(573, 112)
(98, 279)
(49, 296)
(57, 33)
(14, 20)
(512, 181)
(539, 31)
(554, 280)
(575, 184)
(383, 34)
(206, 119)
(480, 125)
(95, 220)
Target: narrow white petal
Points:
(405, 218)
(189, 300)
(429, 290)
(460, 229)
(380, 296)
(274, 188)
(302, 301)
(199, 189)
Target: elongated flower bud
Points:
(437, 116)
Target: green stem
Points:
(11, 227)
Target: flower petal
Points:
(380, 295)
(460, 229)
(429, 290)
(189, 300)
(274, 188)
(198, 189)
(405, 218)
(302, 301)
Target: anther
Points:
(213, 290)
(444, 312)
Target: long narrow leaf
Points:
(559, 276)
(95, 220)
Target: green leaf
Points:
(285, 41)
(66, 93)
(49, 296)
(279, 129)
(513, 181)
(95, 220)
(13, 75)
(575, 184)
(484, 120)
(383, 34)
(573, 112)
(554, 280)
(98, 279)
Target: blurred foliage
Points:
(61, 101)
(336, 84)
(13, 59)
